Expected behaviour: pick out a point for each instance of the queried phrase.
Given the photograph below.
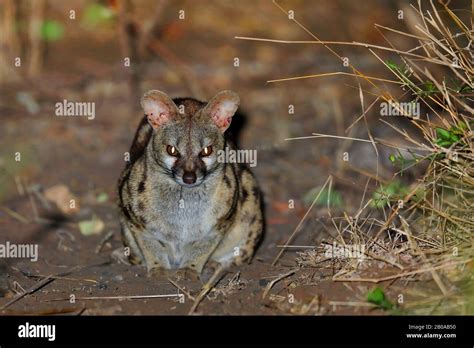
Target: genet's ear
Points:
(158, 107)
(222, 107)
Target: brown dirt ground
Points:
(87, 156)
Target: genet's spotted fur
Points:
(179, 206)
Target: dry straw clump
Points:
(428, 231)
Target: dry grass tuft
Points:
(421, 231)
(428, 228)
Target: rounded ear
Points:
(158, 107)
(222, 107)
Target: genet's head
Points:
(188, 134)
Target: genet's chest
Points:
(183, 218)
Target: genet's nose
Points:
(189, 178)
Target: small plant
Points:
(428, 89)
(403, 163)
(446, 138)
(96, 14)
(327, 197)
(377, 297)
(441, 79)
(395, 190)
(51, 30)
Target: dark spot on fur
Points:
(255, 191)
(123, 179)
(227, 181)
(253, 220)
(245, 194)
(246, 169)
(141, 206)
(131, 214)
(125, 212)
(161, 243)
(141, 187)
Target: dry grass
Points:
(429, 226)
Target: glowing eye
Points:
(172, 151)
(206, 151)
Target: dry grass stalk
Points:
(428, 228)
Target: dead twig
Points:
(42, 283)
(216, 277)
(130, 297)
(29, 291)
(15, 215)
(276, 280)
(401, 275)
(103, 241)
(328, 181)
(177, 286)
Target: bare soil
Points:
(87, 157)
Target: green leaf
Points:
(444, 143)
(391, 65)
(403, 71)
(465, 89)
(401, 162)
(453, 137)
(91, 227)
(334, 197)
(96, 14)
(429, 88)
(443, 134)
(377, 297)
(51, 30)
(102, 197)
(385, 193)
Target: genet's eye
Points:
(172, 151)
(206, 151)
